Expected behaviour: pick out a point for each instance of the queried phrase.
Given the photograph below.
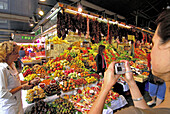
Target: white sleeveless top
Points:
(9, 103)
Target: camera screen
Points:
(119, 68)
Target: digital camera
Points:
(120, 68)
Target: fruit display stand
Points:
(114, 104)
(75, 70)
(31, 61)
(141, 78)
(55, 46)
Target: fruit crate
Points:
(141, 78)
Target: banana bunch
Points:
(57, 40)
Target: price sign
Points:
(131, 37)
(24, 38)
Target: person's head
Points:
(160, 54)
(21, 48)
(9, 52)
(101, 49)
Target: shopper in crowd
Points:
(10, 84)
(29, 49)
(21, 53)
(100, 60)
(160, 56)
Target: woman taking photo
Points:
(10, 84)
(160, 61)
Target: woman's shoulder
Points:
(135, 110)
(3, 65)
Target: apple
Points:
(66, 74)
(66, 71)
(58, 68)
(48, 71)
(53, 81)
(72, 70)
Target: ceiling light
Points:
(42, 0)
(80, 10)
(80, 7)
(31, 24)
(41, 13)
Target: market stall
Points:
(69, 77)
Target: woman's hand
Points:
(35, 81)
(128, 77)
(109, 77)
(26, 86)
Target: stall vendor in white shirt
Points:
(10, 84)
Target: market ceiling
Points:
(15, 15)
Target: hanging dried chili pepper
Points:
(107, 38)
(87, 33)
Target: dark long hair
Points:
(100, 49)
(164, 25)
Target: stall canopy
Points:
(16, 15)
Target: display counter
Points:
(33, 60)
(115, 104)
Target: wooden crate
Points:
(140, 79)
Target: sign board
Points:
(131, 37)
(38, 32)
(24, 38)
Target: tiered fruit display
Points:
(42, 107)
(52, 89)
(63, 106)
(67, 85)
(35, 94)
